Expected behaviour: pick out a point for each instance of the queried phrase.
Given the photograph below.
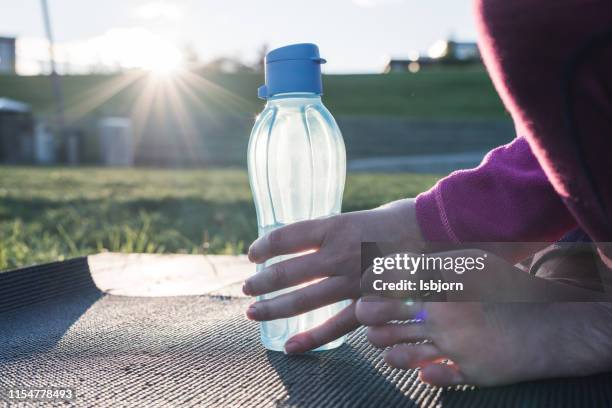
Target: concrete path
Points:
(425, 163)
(170, 275)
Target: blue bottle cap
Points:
(294, 68)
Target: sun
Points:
(164, 62)
(163, 67)
(161, 57)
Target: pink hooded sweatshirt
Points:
(551, 63)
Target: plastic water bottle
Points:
(297, 166)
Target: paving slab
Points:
(170, 275)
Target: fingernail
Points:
(251, 253)
(291, 347)
(246, 289)
(251, 311)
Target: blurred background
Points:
(124, 124)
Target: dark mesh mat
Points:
(201, 351)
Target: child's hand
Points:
(337, 242)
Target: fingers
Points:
(336, 326)
(407, 356)
(302, 300)
(441, 374)
(390, 334)
(285, 274)
(375, 311)
(292, 238)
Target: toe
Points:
(390, 334)
(412, 355)
(441, 374)
(374, 311)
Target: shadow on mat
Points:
(590, 391)
(39, 304)
(340, 377)
(345, 377)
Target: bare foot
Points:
(491, 344)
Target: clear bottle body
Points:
(297, 170)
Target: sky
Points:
(355, 36)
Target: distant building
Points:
(402, 65)
(443, 52)
(16, 132)
(7, 55)
(116, 141)
(44, 143)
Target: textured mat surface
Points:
(201, 351)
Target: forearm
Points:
(506, 199)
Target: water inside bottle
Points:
(275, 333)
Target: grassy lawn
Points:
(454, 92)
(55, 213)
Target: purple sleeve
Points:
(507, 198)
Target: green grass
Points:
(55, 213)
(456, 92)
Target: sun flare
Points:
(164, 61)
